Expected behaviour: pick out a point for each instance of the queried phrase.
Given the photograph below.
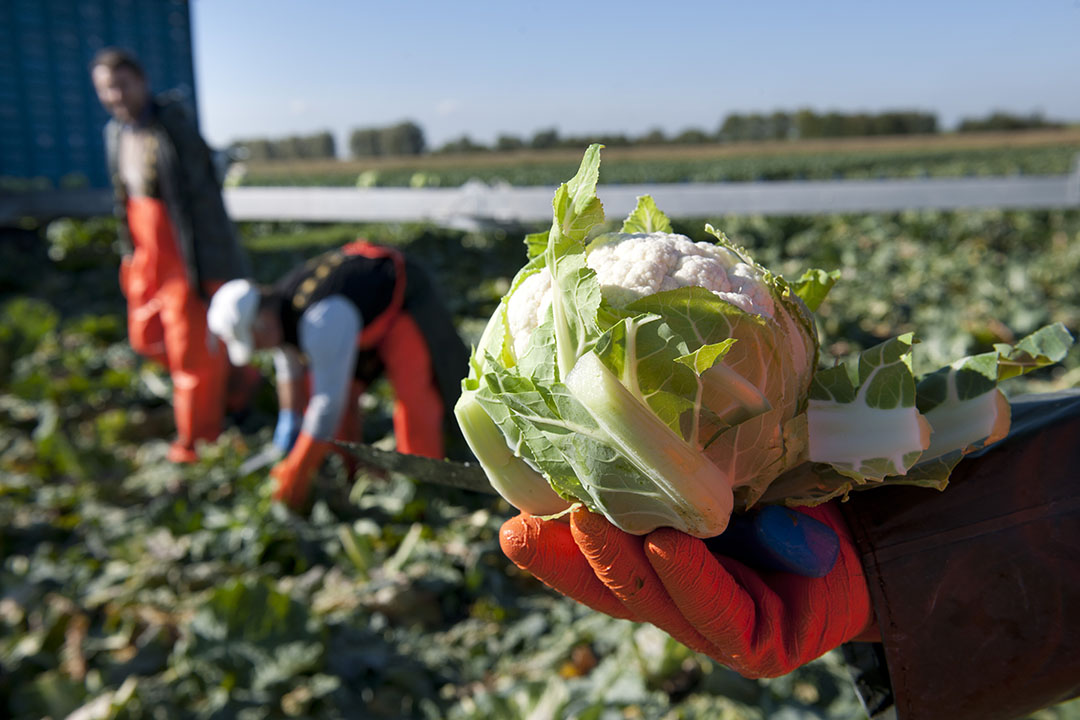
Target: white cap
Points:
(232, 318)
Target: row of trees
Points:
(407, 138)
(806, 124)
(736, 127)
(802, 124)
(1002, 121)
(318, 146)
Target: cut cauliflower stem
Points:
(630, 266)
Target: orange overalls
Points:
(167, 324)
(397, 340)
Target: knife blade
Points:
(463, 475)
(264, 458)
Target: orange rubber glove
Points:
(760, 624)
(295, 473)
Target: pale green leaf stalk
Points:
(507, 472)
(695, 489)
(966, 408)
(577, 296)
(963, 405)
(862, 418)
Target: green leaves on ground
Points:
(121, 576)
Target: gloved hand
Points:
(293, 475)
(759, 623)
(286, 430)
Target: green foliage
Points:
(783, 125)
(24, 324)
(961, 280)
(155, 591)
(77, 245)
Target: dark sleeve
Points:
(976, 589)
(196, 161)
(207, 236)
(179, 185)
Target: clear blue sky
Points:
(268, 68)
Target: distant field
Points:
(1035, 152)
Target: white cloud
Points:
(447, 107)
(298, 106)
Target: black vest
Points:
(368, 283)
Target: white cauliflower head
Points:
(629, 266)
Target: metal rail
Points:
(478, 204)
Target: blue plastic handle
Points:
(779, 539)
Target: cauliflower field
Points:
(132, 588)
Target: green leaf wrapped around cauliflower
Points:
(661, 381)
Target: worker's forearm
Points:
(973, 587)
(290, 394)
(323, 414)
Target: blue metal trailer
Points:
(50, 119)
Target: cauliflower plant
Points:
(661, 381)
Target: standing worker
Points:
(179, 245)
(349, 315)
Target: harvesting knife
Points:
(264, 458)
(463, 475)
(773, 538)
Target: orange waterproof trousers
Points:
(167, 323)
(400, 345)
(418, 407)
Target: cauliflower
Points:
(661, 381)
(633, 371)
(630, 266)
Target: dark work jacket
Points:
(976, 589)
(188, 186)
(369, 283)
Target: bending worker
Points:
(179, 245)
(345, 317)
(954, 605)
